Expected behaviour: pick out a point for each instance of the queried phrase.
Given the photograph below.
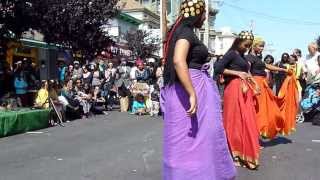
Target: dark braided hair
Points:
(169, 74)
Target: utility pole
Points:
(206, 24)
(163, 23)
(252, 25)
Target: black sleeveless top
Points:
(197, 55)
(258, 67)
(232, 60)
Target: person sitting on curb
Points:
(139, 106)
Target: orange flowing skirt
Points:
(289, 106)
(268, 113)
(240, 123)
(277, 114)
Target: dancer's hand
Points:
(243, 75)
(193, 104)
(289, 71)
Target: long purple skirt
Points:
(195, 148)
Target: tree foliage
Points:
(14, 18)
(70, 23)
(141, 43)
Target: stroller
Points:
(310, 104)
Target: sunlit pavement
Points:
(127, 147)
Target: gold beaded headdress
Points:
(246, 35)
(191, 8)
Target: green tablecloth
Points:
(23, 120)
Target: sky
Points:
(283, 24)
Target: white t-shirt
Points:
(312, 65)
(133, 72)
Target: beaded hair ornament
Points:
(246, 35)
(189, 8)
(192, 8)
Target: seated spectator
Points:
(70, 104)
(53, 95)
(139, 106)
(155, 98)
(9, 102)
(84, 97)
(96, 76)
(98, 102)
(42, 99)
(86, 76)
(112, 97)
(140, 88)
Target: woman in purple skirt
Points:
(194, 142)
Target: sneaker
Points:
(300, 118)
(105, 113)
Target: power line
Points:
(271, 17)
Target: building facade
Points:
(207, 33)
(150, 19)
(120, 25)
(223, 40)
(142, 10)
(153, 5)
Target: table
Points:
(23, 120)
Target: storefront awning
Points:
(37, 44)
(129, 19)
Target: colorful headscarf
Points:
(139, 62)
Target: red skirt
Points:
(240, 123)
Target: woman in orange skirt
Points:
(239, 111)
(290, 93)
(268, 113)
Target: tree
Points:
(75, 23)
(14, 19)
(141, 43)
(71, 23)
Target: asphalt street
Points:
(127, 147)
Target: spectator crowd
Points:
(84, 89)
